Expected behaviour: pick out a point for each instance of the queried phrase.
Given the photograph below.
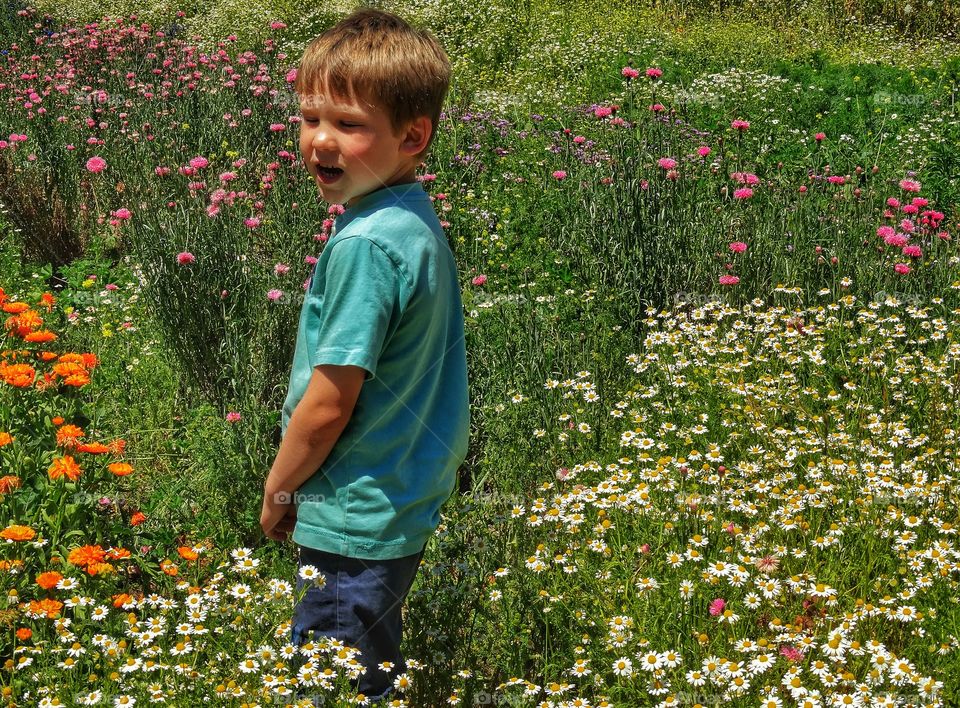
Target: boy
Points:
(376, 420)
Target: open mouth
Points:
(328, 174)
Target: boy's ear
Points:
(417, 135)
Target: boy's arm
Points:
(313, 430)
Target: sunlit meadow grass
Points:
(711, 318)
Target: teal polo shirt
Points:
(385, 296)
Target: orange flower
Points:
(23, 324)
(24, 633)
(15, 308)
(49, 579)
(188, 553)
(99, 569)
(5, 439)
(71, 358)
(19, 375)
(48, 607)
(40, 337)
(89, 360)
(77, 380)
(57, 420)
(65, 467)
(122, 599)
(117, 554)
(67, 435)
(13, 532)
(86, 555)
(169, 567)
(46, 356)
(47, 300)
(138, 518)
(117, 446)
(93, 448)
(68, 368)
(8, 483)
(121, 469)
(11, 565)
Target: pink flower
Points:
(629, 72)
(819, 137)
(291, 76)
(602, 111)
(896, 240)
(277, 127)
(122, 213)
(252, 222)
(274, 295)
(885, 231)
(559, 175)
(909, 185)
(198, 163)
(738, 247)
(836, 179)
(110, 286)
(902, 268)
(277, 26)
(740, 125)
(667, 163)
(743, 193)
(791, 653)
(658, 108)
(233, 417)
(161, 171)
(337, 209)
(729, 280)
(281, 269)
(479, 280)
(893, 202)
(654, 72)
(703, 151)
(717, 606)
(310, 260)
(913, 251)
(96, 164)
(185, 258)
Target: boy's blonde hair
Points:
(377, 56)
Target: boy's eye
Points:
(345, 124)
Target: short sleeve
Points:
(356, 307)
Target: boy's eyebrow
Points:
(343, 110)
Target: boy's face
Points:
(350, 148)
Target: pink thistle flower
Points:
(738, 247)
(902, 268)
(703, 151)
(729, 280)
(919, 201)
(893, 202)
(909, 185)
(111, 287)
(185, 258)
(291, 76)
(658, 108)
(277, 25)
(213, 210)
(274, 295)
(913, 251)
(122, 213)
(337, 209)
(911, 209)
(943, 236)
(896, 240)
(654, 72)
(717, 606)
(96, 165)
(233, 417)
(252, 222)
(198, 163)
(559, 175)
(791, 653)
(667, 163)
(629, 72)
(836, 179)
(740, 125)
(820, 137)
(479, 280)
(743, 193)
(602, 111)
(277, 127)
(281, 269)
(310, 260)
(885, 231)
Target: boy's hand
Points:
(279, 515)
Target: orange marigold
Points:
(89, 360)
(187, 553)
(86, 555)
(68, 368)
(122, 599)
(5, 439)
(71, 358)
(14, 532)
(46, 356)
(117, 446)
(49, 579)
(8, 483)
(40, 337)
(15, 308)
(99, 569)
(121, 469)
(50, 608)
(93, 448)
(67, 435)
(117, 553)
(77, 380)
(169, 567)
(57, 420)
(48, 301)
(65, 466)
(19, 375)
(138, 518)
(24, 633)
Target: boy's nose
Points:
(322, 140)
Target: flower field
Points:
(710, 277)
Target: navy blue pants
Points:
(360, 606)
